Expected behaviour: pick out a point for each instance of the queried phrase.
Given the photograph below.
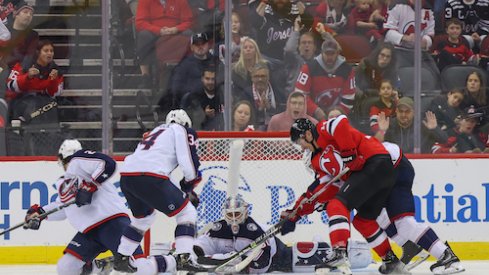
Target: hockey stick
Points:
(42, 216)
(421, 257)
(272, 231)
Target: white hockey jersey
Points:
(106, 202)
(394, 151)
(219, 241)
(165, 148)
(400, 21)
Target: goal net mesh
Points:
(271, 175)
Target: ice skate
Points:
(339, 261)
(411, 250)
(392, 265)
(448, 263)
(105, 265)
(122, 263)
(185, 263)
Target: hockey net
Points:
(271, 175)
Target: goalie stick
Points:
(223, 264)
(43, 215)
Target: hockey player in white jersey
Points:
(399, 223)
(145, 182)
(99, 215)
(237, 230)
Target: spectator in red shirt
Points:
(42, 77)
(386, 104)
(359, 20)
(37, 84)
(454, 48)
(328, 80)
(155, 19)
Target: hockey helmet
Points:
(300, 127)
(179, 116)
(235, 212)
(67, 149)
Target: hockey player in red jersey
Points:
(366, 187)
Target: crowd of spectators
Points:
(287, 62)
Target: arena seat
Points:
(354, 47)
(455, 76)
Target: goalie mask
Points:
(235, 212)
(179, 116)
(67, 149)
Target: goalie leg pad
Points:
(308, 254)
(359, 254)
(69, 265)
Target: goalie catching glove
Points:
(85, 193)
(303, 208)
(32, 217)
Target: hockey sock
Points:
(430, 242)
(129, 241)
(421, 234)
(375, 236)
(184, 238)
(339, 224)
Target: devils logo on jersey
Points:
(330, 161)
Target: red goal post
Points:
(272, 174)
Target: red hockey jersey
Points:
(327, 89)
(343, 137)
(19, 82)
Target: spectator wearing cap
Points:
(155, 19)
(400, 130)
(21, 48)
(465, 137)
(328, 80)
(23, 39)
(187, 74)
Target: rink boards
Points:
(452, 195)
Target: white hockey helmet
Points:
(235, 212)
(67, 149)
(179, 116)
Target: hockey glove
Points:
(352, 160)
(32, 217)
(305, 208)
(188, 186)
(193, 198)
(289, 224)
(85, 193)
